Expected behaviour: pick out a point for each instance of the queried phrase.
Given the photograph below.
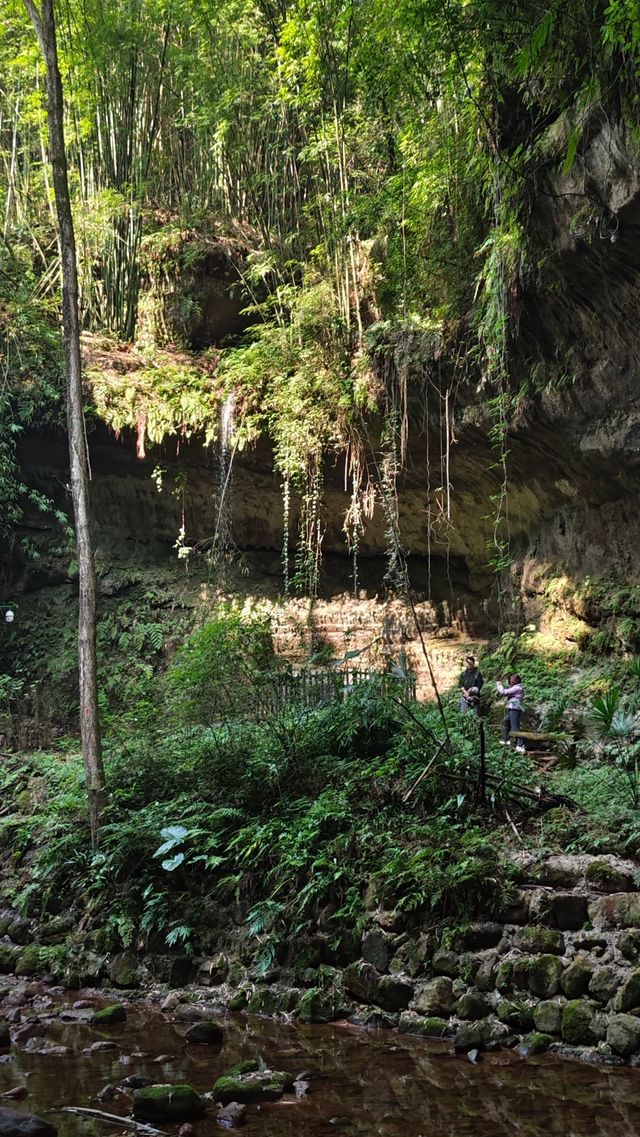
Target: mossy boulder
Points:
(547, 1016)
(628, 996)
(517, 1016)
(377, 949)
(361, 980)
(544, 976)
(576, 978)
(604, 983)
(494, 1033)
(374, 1018)
(543, 940)
(629, 944)
(446, 963)
(109, 1016)
(5, 1037)
(9, 956)
(485, 976)
(606, 876)
(479, 937)
(468, 1037)
(412, 956)
(618, 910)
(19, 930)
(520, 973)
(31, 961)
(167, 1103)
(535, 1043)
(265, 1001)
(123, 971)
(56, 930)
(435, 997)
(394, 993)
(504, 975)
(316, 1006)
(433, 1027)
(578, 1023)
(251, 1085)
(472, 1006)
(623, 1034)
(238, 1001)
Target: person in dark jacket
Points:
(470, 686)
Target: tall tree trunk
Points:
(43, 21)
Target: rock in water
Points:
(247, 1083)
(14, 1124)
(232, 1115)
(136, 1082)
(167, 1103)
(109, 1016)
(205, 1032)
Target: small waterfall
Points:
(222, 539)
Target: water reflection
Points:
(361, 1084)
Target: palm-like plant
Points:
(619, 726)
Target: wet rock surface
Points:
(350, 1075)
(14, 1124)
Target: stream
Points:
(361, 1083)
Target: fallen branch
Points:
(113, 1119)
(424, 773)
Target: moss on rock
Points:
(361, 979)
(468, 1037)
(623, 1034)
(109, 1016)
(251, 1085)
(9, 956)
(544, 940)
(535, 1043)
(547, 1016)
(31, 961)
(608, 877)
(575, 980)
(578, 1023)
(472, 1006)
(628, 996)
(316, 1006)
(544, 976)
(167, 1103)
(517, 1016)
(433, 1027)
(435, 997)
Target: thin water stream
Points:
(360, 1083)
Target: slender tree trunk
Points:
(43, 21)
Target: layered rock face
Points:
(573, 452)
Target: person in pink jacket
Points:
(514, 694)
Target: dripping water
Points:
(222, 539)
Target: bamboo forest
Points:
(320, 568)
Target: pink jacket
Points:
(514, 695)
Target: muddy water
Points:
(361, 1083)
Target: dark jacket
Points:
(471, 677)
